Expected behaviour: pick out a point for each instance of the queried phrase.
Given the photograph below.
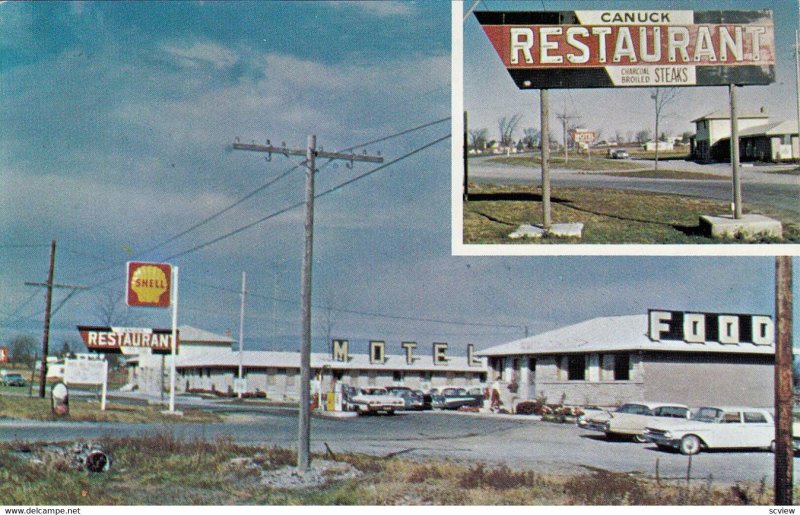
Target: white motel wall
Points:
(669, 356)
(209, 363)
(611, 360)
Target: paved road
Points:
(524, 443)
(760, 185)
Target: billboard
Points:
(659, 48)
(112, 340)
(148, 285)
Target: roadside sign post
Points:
(737, 183)
(635, 49)
(88, 371)
(174, 340)
(155, 285)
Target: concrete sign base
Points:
(749, 227)
(571, 230)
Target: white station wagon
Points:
(715, 427)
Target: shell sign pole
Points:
(155, 285)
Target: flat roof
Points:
(612, 334)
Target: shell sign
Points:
(149, 284)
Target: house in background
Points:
(759, 139)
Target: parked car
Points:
(13, 379)
(715, 427)
(631, 419)
(376, 400)
(413, 399)
(618, 153)
(455, 398)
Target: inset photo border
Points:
(609, 77)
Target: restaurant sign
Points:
(660, 48)
(112, 340)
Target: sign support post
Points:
(737, 183)
(174, 339)
(544, 100)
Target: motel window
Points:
(622, 367)
(270, 376)
(290, 376)
(338, 375)
(576, 368)
(427, 375)
(397, 376)
(449, 378)
(371, 376)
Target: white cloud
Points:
(202, 54)
(380, 8)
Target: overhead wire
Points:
(298, 204)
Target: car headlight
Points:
(667, 434)
(606, 425)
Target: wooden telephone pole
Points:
(48, 312)
(311, 153)
(784, 455)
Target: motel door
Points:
(531, 378)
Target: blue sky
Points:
(118, 120)
(623, 110)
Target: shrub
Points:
(528, 408)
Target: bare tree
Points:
(643, 136)
(110, 311)
(477, 138)
(661, 97)
(23, 350)
(507, 128)
(532, 137)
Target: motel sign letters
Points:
(603, 49)
(377, 352)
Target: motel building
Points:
(669, 356)
(208, 362)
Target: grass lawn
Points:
(669, 174)
(609, 216)
(574, 162)
(162, 470)
(34, 408)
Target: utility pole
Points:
(47, 313)
(311, 153)
(565, 119)
(784, 454)
(241, 331)
(797, 82)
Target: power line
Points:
(259, 190)
(364, 313)
(298, 204)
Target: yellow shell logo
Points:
(149, 283)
